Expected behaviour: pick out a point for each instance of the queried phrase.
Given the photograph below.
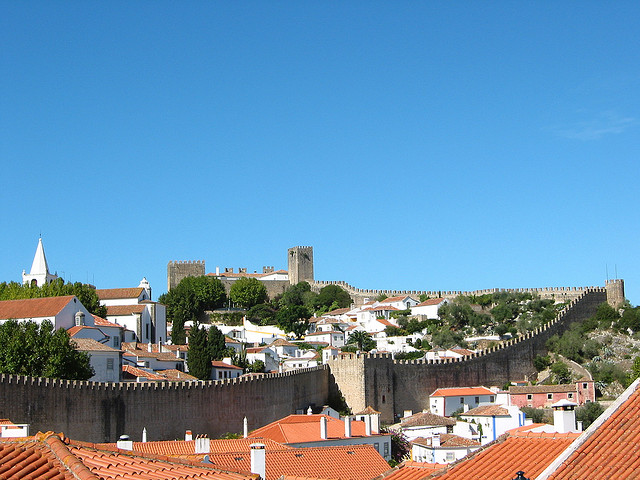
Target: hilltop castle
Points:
(300, 268)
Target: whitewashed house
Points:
(307, 359)
(445, 401)
(442, 448)
(494, 420)
(425, 424)
(223, 370)
(266, 355)
(429, 308)
(133, 309)
(106, 361)
(63, 312)
(331, 338)
(401, 302)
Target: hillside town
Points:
(464, 431)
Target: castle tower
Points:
(176, 271)
(300, 263)
(39, 274)
(615, 292)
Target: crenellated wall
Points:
(101, 412)
(392, 386)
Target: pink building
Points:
(542, 396)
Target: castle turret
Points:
(615, 292)
(300, 262)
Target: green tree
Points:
(541, 362)
(588, 413)
(535, 414)
(199, 356)
(606, 315)
(247, 292)
(262, 314)
(188, 301)
(330, 294)
(27, 348)
(257, 366)
(297, 294)
(293, 319)
(216, 344)
(362, 340)
(561, 372)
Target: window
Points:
(219, 374)
(461, 400)
(585, 385)
(377, 447)
(146, 330)
(569, 395)
(109, 363)
(384, 399)
(529, 396)
(451, 456)
(549, 396)
(477, 399)
(386, 449)
(492, 399)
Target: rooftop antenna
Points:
(607, 269)
(616, 267)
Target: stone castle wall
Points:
(392, 386)
(177, 270)
(101, 412)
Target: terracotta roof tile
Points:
(543, 389)
(423, 419)
(609, 448)
(129, 371)
(219, 364)
(174, 375)
(338, 311)
(187, 448)
(34, 307)
(351, 462)
(411, 471)
(368, 411)
(101, 322)
(461, 392)
(114, 310)
(116, 293)
(90, 345)
(488, 410)
(507, 455)
(429, 302)
(448, 440)
(306, 428)
(395, 299)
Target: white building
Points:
(134, 309)
(429, 308)
(442, 448)
(425, 424)
(445, 401)
(39, 273)
(331, 338)
(63, 312)
(494, 420)
(106, 361)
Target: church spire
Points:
(39, 274)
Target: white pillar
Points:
(323, 427)
(347, 426)
(245, 428)
(144, 435)
(367, 425)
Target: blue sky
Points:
(415, 145)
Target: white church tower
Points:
(39, 274)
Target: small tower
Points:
(564, 416)
(300, 262)
(615, 292)
(39, 274)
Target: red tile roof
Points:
(306, 428)
(350, 462)
(338, 311)
(425, 419)
(50, 456)
(461, 392)
(187, 448)
(609, 447)
(90, 345)
(394, 299)
(129, 371)
(113, 310)
(488, 410)
(448, 440)
(116, 293)
(529, 452)
(218, 364)
(174, 375)
(543, 389)
(368, 411)
(34, 307)
(431, 301)
(101, 322)
(411, 471)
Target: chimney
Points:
(435, 440)
(564, 416)
(144, 435)
(374, 418)
(309, 411)
(217, 271)
(203, 445)
(367, 425)
(259, 460)
(188, 436)
(323, 427)
(245, 428)
(124, 443)
(149, 347)
(579, 426)
(347, 426)
(407, 413)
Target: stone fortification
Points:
(101, 412)
(615, 289)
(177, 270)
(392, 386)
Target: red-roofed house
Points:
(542, 396)
(445, 401)
(134, 309)
(222, 371)
(324, 430)
(63, 312)
(429, 308)
(494, 420)
(105, 361)
(332, 338)
(400, 302)
(442, 448)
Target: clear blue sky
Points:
(415, 145)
